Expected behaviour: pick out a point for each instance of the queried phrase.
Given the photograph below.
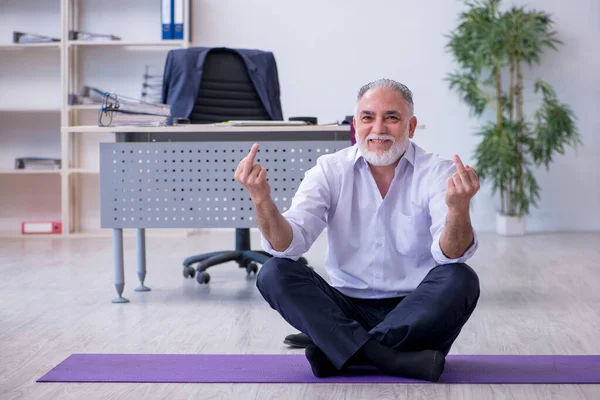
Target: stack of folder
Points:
(152, 87)
(117, 110)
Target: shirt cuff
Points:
(441, 258)
(294, 250)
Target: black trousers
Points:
(430, 317)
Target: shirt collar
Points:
(409, 155)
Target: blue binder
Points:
(178, 25)
(166, 19)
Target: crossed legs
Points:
(405, 336)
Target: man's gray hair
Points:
(389, 84)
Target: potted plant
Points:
(491, 48)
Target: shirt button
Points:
(378, 244)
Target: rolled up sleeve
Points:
(440, 257)
(294, 251)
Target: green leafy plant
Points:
(491, 48)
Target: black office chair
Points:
(226, 93)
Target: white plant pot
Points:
(510, 226)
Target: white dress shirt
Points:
(378, 247)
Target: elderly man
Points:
(399, 234)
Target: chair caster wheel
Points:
(203, 277)
(251, 268)
(189, 272)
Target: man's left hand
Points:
(462, 186)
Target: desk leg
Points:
(141, 260)
(119, 265)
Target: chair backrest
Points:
(226, 91)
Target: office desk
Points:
(183, 177)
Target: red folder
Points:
(34, 227)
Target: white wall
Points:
(325, 51)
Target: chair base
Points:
(243, 255)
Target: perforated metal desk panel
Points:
(183, 177)
(192, 184)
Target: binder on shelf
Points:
(178, 24)
(166, 17)
(89, 36)
(37, 163)
(24, 37)
(30, 227)
(87, 95)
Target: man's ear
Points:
(412, 125)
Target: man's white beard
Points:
(387, 157)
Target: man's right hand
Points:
(253, 177)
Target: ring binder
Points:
(33, 227)
(23, 37)
(177, 19)
(117, 110)
(80, 35)
(166, 17)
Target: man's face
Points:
(384, 125)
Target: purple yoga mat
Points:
(258, 368)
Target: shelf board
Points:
(21, 46)
(28, 110)
(6, 171)
(84, 171)
(94, 107)
(162, 43)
